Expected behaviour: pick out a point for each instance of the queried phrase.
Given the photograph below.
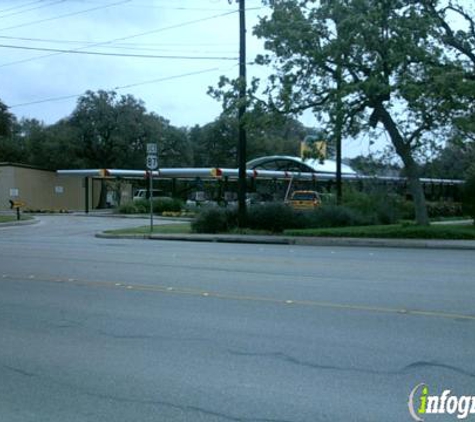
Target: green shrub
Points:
(378, 206)
(143, 206)
(444, 209)
(363, 202)
(334, 216)
(161, 205)
(392, 208)
(215, 220)
(277, 217)
(128, 208)
(406, 209)
(274, 217)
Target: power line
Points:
(149, 6)
(65, 15)
(96, 53)
(31, 9)
(175, 47)
(8, 9)
(131, 45)
(164, 79)
(168, 78)
(154, 31)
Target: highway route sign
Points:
(152, 162)
(152, 149)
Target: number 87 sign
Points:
(152, 162)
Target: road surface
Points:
(135, 330)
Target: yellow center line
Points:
(236, 297)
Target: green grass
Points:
(182, 228)
(254, 232)
(394, 231)
(10, 218)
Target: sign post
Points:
(152, 164)
(17, 205)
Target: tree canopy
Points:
(215, 144)
(456, 78)
(103, 131)
(9, 151)
(379, 61)
(6, 120)
(106, 130)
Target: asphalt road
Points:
(134, 330)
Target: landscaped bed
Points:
(394, 231)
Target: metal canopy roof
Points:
(218, 173)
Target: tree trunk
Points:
(412, 168)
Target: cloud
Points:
(170, 32)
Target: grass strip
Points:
(181, 228)
(13, 218)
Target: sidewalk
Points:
(304, 241)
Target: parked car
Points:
(304, 200)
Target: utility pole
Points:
(241, 113)
(338, 135)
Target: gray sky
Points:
(192, 28)
(208, 29)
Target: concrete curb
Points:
(304, 241)
(34, 220)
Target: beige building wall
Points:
(40, 189)
(45, 190)
(6, 183)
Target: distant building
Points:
(273, 176)
(44, 190)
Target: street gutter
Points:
(303, 241)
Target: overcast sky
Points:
(193, 28)
(204, 31)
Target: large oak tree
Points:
(373, 61)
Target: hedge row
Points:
(160, 205)
(277, 217)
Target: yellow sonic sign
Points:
(313, 147)
(317, 149)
